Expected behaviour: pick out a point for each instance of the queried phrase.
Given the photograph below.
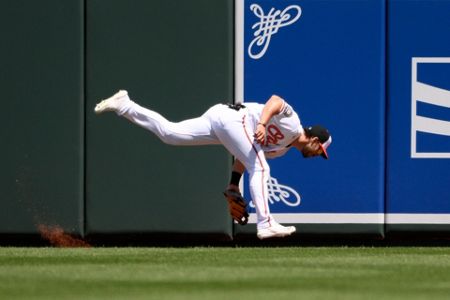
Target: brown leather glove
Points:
(237, 206)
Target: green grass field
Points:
(225, 273)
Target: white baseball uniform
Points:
(233, 129)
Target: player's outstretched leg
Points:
(191, 132)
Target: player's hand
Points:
(260, 133)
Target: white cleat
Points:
(275, 230)
(113, 103)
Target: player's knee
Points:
(261, 171)
(170, 140)
(256, 166)
(265, 169)
(173, 139)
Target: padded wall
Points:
(175, 57)
(419, 116)
(42, 132)
(59, 58)
(326, 59)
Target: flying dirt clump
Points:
(58, 238)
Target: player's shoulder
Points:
(286, 110)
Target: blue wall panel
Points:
(329, 65)
(419, 112)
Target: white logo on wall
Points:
(281, 193)
(268, 25)
(429, 94)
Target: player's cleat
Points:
(275, 230)
(113, 103)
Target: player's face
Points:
(312, 148)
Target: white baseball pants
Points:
(218, 125)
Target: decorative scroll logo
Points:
(268, 25)
(281, 193)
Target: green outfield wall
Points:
(175, 57)
(92, 175)
(42, 123)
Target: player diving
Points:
(251, 132)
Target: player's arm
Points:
(236, 174)
(272, 107)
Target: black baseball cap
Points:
(323, 135)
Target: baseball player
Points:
(252, 132)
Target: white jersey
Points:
(281, 130)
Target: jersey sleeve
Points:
(286, 110)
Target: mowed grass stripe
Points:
(224, 273)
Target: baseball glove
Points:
(237, 206)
